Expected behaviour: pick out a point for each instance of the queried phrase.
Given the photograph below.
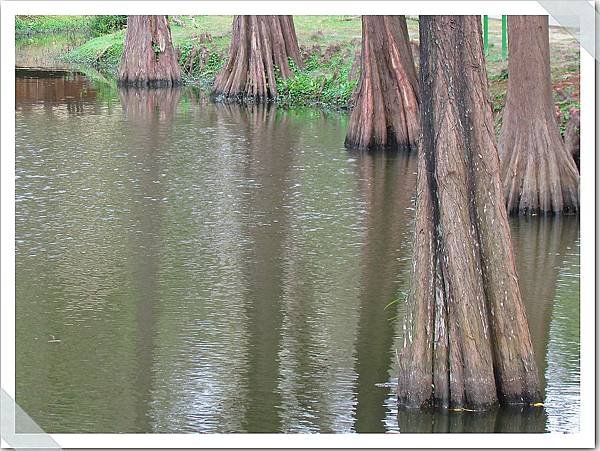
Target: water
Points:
(212, 268)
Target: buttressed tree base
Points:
(259, 45)
(149, 59)
(538, 173)
(467, 342)
(386, 111)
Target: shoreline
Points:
(330, 49)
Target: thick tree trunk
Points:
(467, 342)
(259, 45)
(149, 59)
(537, 172)
(386, 111)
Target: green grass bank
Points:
(31, 25)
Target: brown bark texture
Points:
(149, 59)
(538, 174)
(466, 337)
(571, 137)
(259, 45)
(386, 110)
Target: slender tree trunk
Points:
(149, 59)
(386, 111)
(259, 45)
(537, 172)
(467, 342)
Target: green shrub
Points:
(199, 63)
(319, 83)
(100, 25)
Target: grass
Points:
(321, 82)
(102, 53)
(328, 45)
(30, 25)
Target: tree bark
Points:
(386, 111)
(149, 59)
(538, 174)
(571, 137)
(259, 44)
(467, 342)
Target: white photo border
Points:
(586, 435)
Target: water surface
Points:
(214, 268)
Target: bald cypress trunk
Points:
(467, 342)
(259, 44)
(149, 59)
(571, 137)
(538, 174)
(386, 111)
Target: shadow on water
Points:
(387, 183)
(150, 109)
(54, 90)
(269, 139)
(541, 246)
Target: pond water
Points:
(214, 268)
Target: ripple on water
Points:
(227, 269)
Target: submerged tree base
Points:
(150, 84)
(466, 341)
(241, 99)
(149, 59)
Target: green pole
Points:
(485, 35)
(504, 39)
